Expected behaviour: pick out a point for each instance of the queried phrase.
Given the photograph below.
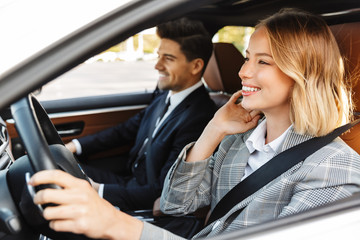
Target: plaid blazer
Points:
(329, 174)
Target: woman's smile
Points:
(249, 90)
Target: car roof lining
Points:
(248, 12)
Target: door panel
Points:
(83, 116)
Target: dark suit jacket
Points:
(184, 125)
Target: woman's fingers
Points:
(74, 225)
(71, 211)
(255, 113)
(57, 177)
(254, 121)
(62, 196)
(79, 209)
(69, 192)
(65, 226)
(235, 96)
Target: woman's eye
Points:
(263, 62)
(246, 59)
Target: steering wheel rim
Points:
(45, 150)
(31, 134)
(37, 132)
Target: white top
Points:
(261, 153)
(175, 100)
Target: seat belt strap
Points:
(272, 169)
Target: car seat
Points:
(348, 38)
(221, 74)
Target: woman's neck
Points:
(275, 126)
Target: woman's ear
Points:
(197, 66)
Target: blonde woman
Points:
(293, 75)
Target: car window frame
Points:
(85, 43)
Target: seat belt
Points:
(272, 169)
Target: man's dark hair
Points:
(194, 40)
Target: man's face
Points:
(174, 69)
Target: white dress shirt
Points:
(261, 153)
(175, 100)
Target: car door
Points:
(98, 94)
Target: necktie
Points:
(161, 112)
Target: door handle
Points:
(69, 132)
(70, 129)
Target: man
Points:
(184, 51)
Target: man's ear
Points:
(197, 66)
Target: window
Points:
(238, 36)
(126, 67)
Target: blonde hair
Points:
(304, 48)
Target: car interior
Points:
(222, 79)
(348, 39)
(62, 120)
(221, 74)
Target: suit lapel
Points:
(155, 116)
(197, 94)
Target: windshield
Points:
(29, 26)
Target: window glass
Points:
(239, 36)
(24, 31)
(126, 67)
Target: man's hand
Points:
(71, 147)
(95, 185)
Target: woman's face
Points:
(265, 86)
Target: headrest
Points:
(221, 73)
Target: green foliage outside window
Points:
(235, 35)
(230, 34)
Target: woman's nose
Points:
(245, 71)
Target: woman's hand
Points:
(232, 118)
(80, 209)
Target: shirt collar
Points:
(256, 141)
(177, 98)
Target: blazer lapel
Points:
(291, 140)
(198, 93)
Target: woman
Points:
(292, 75)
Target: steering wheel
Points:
(45, 151)
(42, 142)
